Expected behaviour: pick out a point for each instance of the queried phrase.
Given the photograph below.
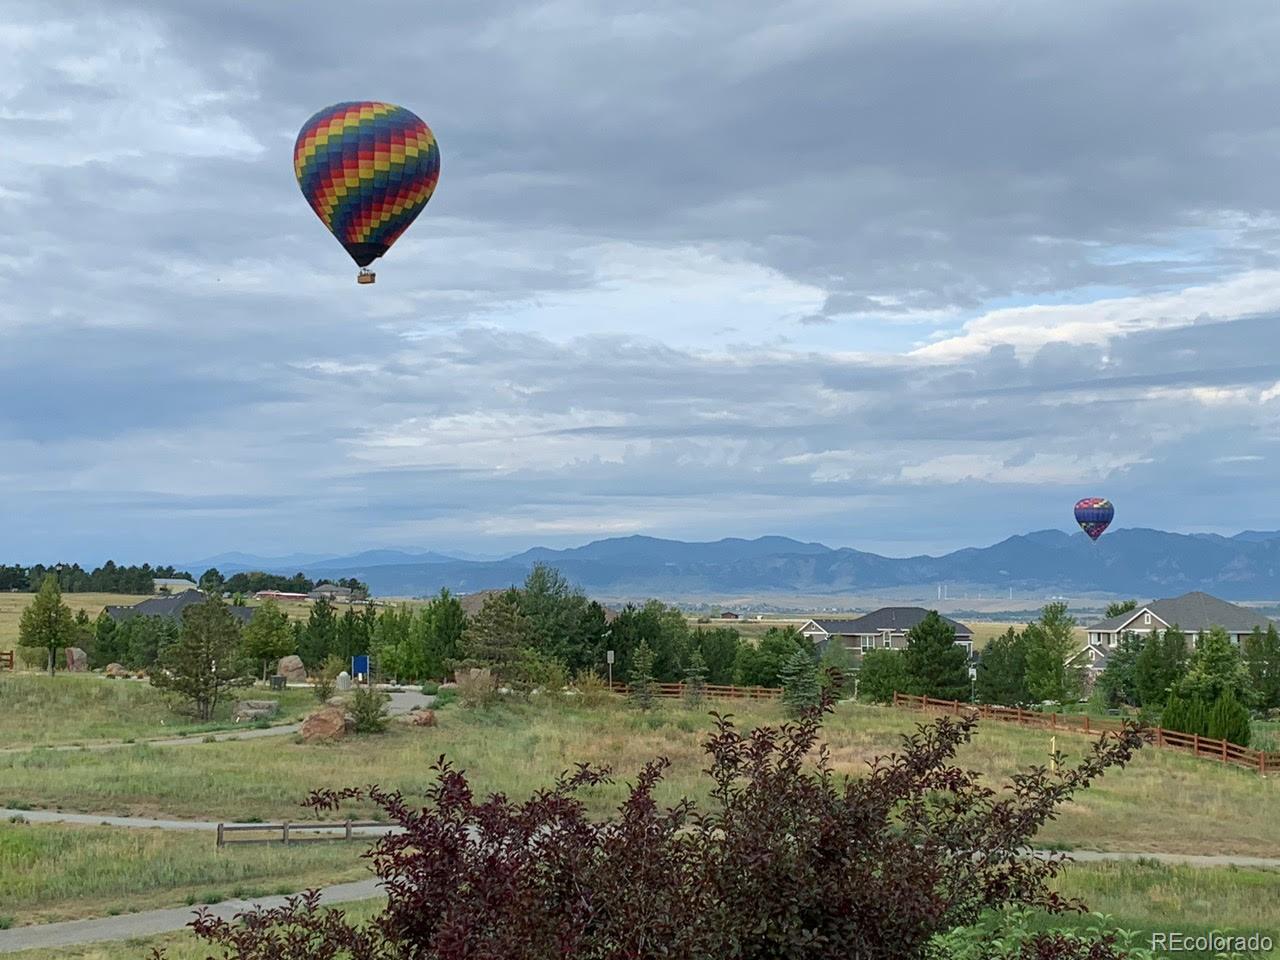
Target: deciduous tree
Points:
(1050, 642)
(267, 636)
(1002, 671)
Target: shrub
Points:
(695, 679)
(430, 688)
(1229, 720)
(788, 862)
(476, 687)
(882, 674)
(800, 690)
(369, 709)
(322, 688)
(444, 698)
(592, 689)
(642, 691)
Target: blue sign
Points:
(360, 665)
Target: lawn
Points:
(60, 872)
(1139, 897)
(72, 709)
(1164, 801)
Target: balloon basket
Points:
(366, 276)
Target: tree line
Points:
(72, 578)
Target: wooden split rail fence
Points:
(1223, 751)
(6, 660)
(291, 833)
(710, 691)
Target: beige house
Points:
(1192, 613)
(883, 629)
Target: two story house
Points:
(883, 629)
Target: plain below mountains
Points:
(1130, 562)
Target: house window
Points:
(868, 643)
(1146, 619)
(888, 642)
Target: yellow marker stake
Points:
(1053, 753)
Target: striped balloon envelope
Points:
(367, 169)
(1094, 514)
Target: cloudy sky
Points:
(900, 275)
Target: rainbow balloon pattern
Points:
(367, 169)
(1094, 514)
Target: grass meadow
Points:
(1143, 898)
(1164, 801)
(73, 709)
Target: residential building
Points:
(330, 591)
(1191, 613)
(170, 606)
(883, 629)
(278, 595)
(728, 615)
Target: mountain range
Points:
(1130, 562)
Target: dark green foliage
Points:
(105, 648)
(1262, 656)
(252, 581)
(836, 665)
(350, 636)
(498, 635)
(800, 687)
(719, 648)
(1159, 665)
(444, 624)
(212, 581)
(72, 578)
(204, 663)
(320, 637)
(934, 665)
(564, 625)
(883, 673)
(1118, 684)
(268, 637)
(47, 622)
(665, 631)
(640, 690)
(1117, 607)
(1215, 668)
(144, 639)
(695, 678)
(761, 665)
(1229, 720)
(1050, 642)
(368, 708)
(1002, 671)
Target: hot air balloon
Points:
(1094, 514)
(367, 169)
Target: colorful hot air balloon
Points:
(367, 169)
(1094, 515)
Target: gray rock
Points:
(257, 709)
(343, 683)
(292, 669)
(77, 660)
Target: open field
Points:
(68, 709)
(1163, 802)
(1138, 897)
(59, 872)
(12, 605)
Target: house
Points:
(172, 584)
(883, 629)
(170, 606)
(278, 595)
(1092, 659)
(1191, 613)
(728, 615)
(330, 591)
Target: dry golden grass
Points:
(12, 605)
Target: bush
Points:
(430, 688)
(883, 672)
(800, 689)
(789, 862)
(592, 689)
(322, 688)
(476, 687)
(369, 708)
(444, 698)
(1230, 721)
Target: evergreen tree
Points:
(719, 647)
(1159, 665)
(1002, 671)
(800, 688)
(1118, 683)
(761, 665)
(1197, 717)
(695, 678)
(321, 634)
(204, 663)
(1050, 641)
(1174, 714)
(882, 674)
(934, 664)
(1262, 656)
(836, 665)
(47, 622)
(1229, 720)
(106, 647)
(498, 635)
(1118, 607)
(268, 637)
(448, 623)
(211, 581)
(641, 690)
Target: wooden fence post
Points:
(221, 841)
(1086, 723)
(284, 829)
(348, 828)
(1224, 751)
(1195, 743)
(1159, 736)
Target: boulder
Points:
(327, 723)
(292, 669)
(77, 660)
(116, 670)
(418, 718)
(343, 683)
(256, 709)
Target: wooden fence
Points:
(6, 659)
(291, 833)
(1222, 751)
(710, 691)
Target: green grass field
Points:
(60, 872)
(1138, 897)
(1163, 802)
(70, 709)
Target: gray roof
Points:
(171, 606)
(887, 618)
(1192, 612)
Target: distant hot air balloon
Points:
(1094, 515)
(367, 169)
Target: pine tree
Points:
(321, 634)
(836, 665)
(935, 665)
(1174, 714)
(1229, 720)
(800, 689)
(205, 662)
(1262, 654)
(1002, 671)
(641, 690)
(1215, 668)
(47, 623)
(1159, 665)
(881, 675)
(695, 678)
(498, 635)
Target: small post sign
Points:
(608, 656)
